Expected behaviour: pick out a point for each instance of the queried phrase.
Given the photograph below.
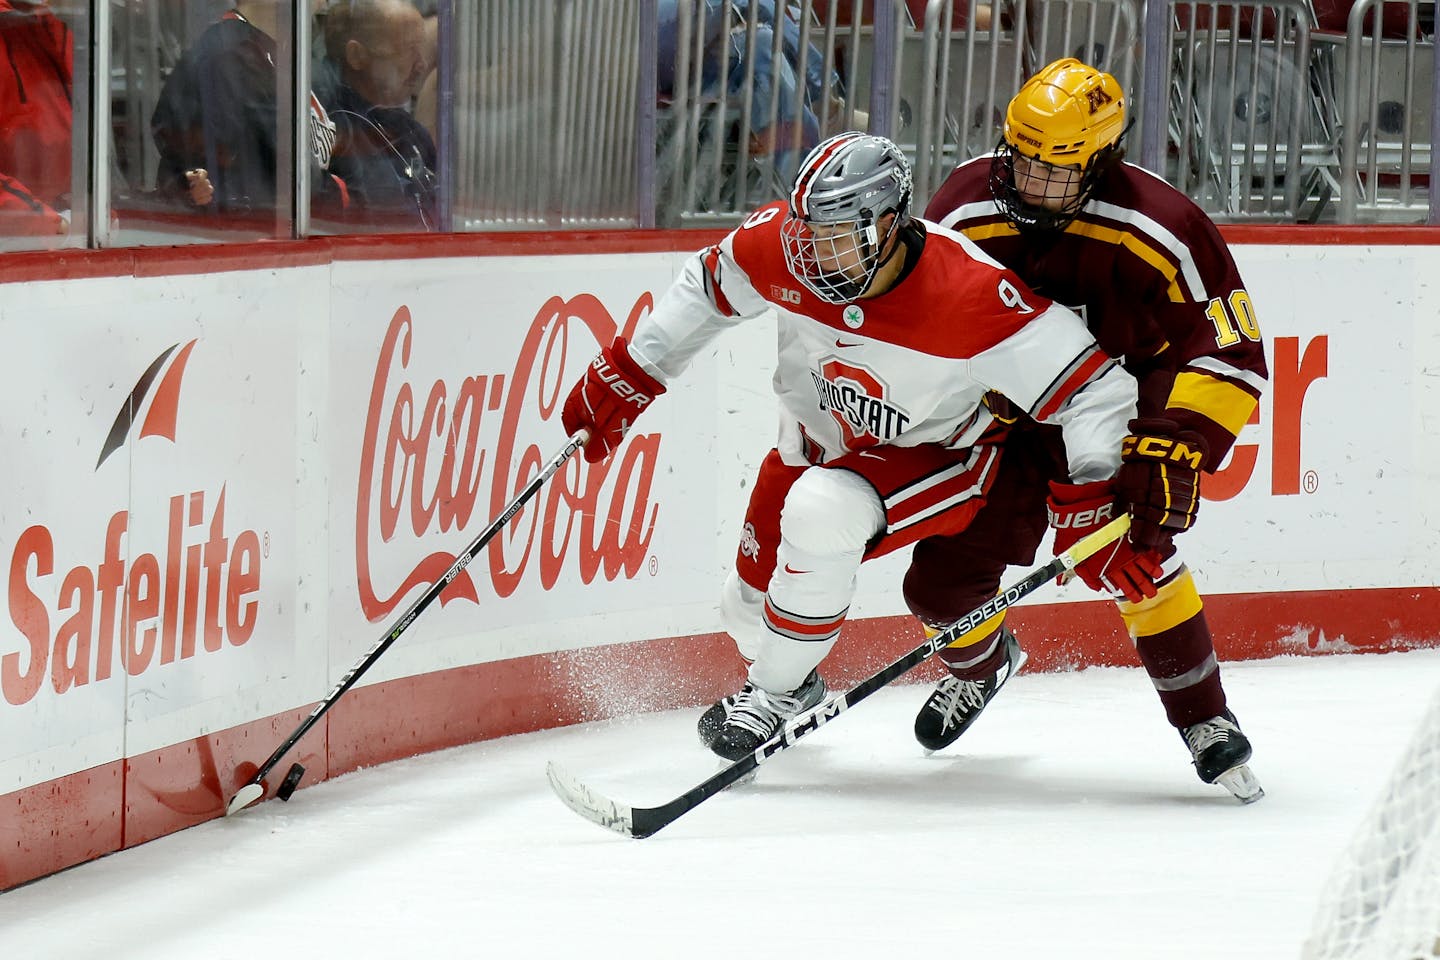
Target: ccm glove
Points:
(608, 398)
(1078, 509)
(1160, 478)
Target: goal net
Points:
(1382, 901)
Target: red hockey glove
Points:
(1160, 479)
(608, 398)
(1080, 509)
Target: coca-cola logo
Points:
(427, 465)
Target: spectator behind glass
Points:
(386, 157)
(767, 135)
(35, 120)
(216, 123)
(424, 99)
(430, 42)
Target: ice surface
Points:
(1067, 823)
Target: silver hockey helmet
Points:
(832, 237)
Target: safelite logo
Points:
(126, 603)
(164, 406)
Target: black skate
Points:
(1221, 754)
(955, 704)
(710, 722)
(756, 714)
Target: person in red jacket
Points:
(35, 119)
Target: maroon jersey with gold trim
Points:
(1154, 281)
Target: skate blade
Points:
(1241, 783)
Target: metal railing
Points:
(544, 118)
(1251, 99)
(1387, 85)
(928, 74)
(745, 89)
(558, 114)
(1252, 137)
(953, 69)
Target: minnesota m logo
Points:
(1097, 98)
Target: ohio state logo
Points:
(855, 397)
(749, 546)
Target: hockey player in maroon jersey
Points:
(895, 337)
(1158, 288)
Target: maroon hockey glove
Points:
(608, 398)
(1160, 479)
(1080, 509)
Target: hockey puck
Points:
(292, 780)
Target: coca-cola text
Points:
(423, 467)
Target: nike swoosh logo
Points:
(842, 344)
(790, 569)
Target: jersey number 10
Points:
(1241, 313)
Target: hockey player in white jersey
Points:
(896, 336)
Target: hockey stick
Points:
(254, 788)
(641, 822)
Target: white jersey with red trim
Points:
(910, 366)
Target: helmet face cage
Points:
(832, 238)
(1043, 179)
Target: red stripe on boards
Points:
(77, 817)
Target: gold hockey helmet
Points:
(1063, 130)
(1066, 114)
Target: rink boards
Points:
(230, 469)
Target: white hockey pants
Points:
(829, 517)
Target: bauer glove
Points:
(1078, 509)
(1160, 478)
(608, 398)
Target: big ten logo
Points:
(1292, 373)
(785, 294)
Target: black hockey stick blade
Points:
(641, 822)
(254, 788)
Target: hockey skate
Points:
(755, 715)
(1221, 754)
(710, 722)
(955, 704)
